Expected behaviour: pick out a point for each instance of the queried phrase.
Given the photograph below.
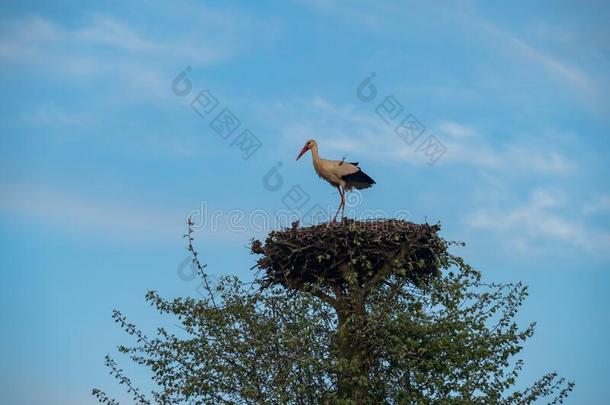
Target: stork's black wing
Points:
(359, 180)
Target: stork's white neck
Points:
(315, 157)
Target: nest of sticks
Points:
(328, 252)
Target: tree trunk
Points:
(352, 380)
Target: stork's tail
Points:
(359, 180)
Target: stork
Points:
(339, 173)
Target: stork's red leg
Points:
(336, 213)
(340, 205)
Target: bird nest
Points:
(328, 252)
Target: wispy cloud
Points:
(566, 66)
(121, 218)
(455, 129)
(105, 50)
(600, 205)
(104, 30)
(36, 39)
(539, 220)
(50, 115)
(344, 130)
(137, 60)
(539, 153)
(109, 217)
(525, 52)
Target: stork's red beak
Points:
(305, 149)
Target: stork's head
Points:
(308, 145)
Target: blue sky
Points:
(101, 162)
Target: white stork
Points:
(338, 173)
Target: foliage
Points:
(451, 340)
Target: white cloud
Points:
(108, 31)
(537, 160)
(95, 51)
(455, 129)
(108, 216)
(343, 130)
(391, 17)
(121, 218)
(37, 40)
(528, 53)
(51, 115)
(538, 220)
(136, 62)
(517, 156)
(602, 204)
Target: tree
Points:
(352, 313)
